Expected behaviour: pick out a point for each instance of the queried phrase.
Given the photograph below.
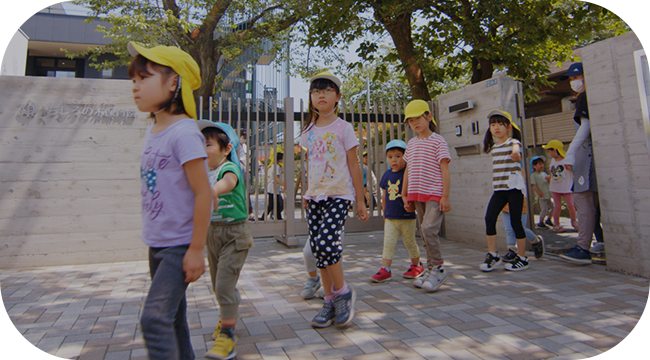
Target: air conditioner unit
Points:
(464, 106)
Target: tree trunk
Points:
(399, 28)
(203, 53)
(482, 69)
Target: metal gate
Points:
(267, 127)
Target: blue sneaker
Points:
(325, 317)
(344, 307)
(577, 255)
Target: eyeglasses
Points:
(326, 91)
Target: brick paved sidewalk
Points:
(554, 309)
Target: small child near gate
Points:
(509, 186)
(333, 182)
(229, 237)
(397, 221)
(561, 184)
(540, 187)
(175, 193)
(426, 187)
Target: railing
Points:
(267, 131)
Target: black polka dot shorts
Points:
(326, 220)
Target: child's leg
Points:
(516, 201)
(407, 230)
(310, 260)
(568, 198)
(551, 207)
(510, 232)
(280, 202)
(391, 233)
(557, 208)
(543, 205)
(530, 235)
(496, 204)
(430, 219)
(236, 240)
(164, 323)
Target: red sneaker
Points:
(414, 272)
(381, 276)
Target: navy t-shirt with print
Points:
(392, 183)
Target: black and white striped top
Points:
(503, 165)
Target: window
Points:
(643, 81)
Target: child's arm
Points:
(223, 186)
(444, 200)
(357, 180)
(304, 191)
(539, 193)
(197, 176)
(515, 156)
(383, 202)
(408, 205)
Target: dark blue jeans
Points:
(164, 321)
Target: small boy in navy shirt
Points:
(397, 221)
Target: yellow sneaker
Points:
(217, 330)
(223, 348)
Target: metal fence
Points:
(375, 125)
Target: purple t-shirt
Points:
(167, 199)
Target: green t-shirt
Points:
(232, 205)
(539, 179)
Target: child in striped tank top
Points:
(509, 187)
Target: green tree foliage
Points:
(208, 30)
(435, 41)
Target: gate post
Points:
(289, 237)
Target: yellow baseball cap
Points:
(556, 145)
(416, 108)
(181, 62)
(504, 114)
(328, 76)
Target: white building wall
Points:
(14, 60)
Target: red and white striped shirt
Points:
(423, 157)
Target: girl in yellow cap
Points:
(176, 194)
(334, 181)
(508, 185)
(561, 184)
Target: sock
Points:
(386, 267)
(316, 278)
(522, 257)
(230, 331)
(494, 254)
(329, 298)
(513, 248)
(343, 290)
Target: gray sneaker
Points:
(325, 317)
(597, 248)
(344, 307)
(309, 291)
(418, 282)
(436, 278)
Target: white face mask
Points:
(578, 85)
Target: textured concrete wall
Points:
(471, 175)
(69, 185)
(620, 152)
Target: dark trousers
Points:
(499, 199)
(269, 207)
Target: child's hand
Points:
(305, 203)
(445, 206)
(515, 156)
(409, 206)
(215, 204)
(362, 212)
(569, 167)
(193, 265)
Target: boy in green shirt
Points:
(539, 181)
(229, 237)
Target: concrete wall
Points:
(471, 175)
(15, 56)
(70, 179)
(620, 152)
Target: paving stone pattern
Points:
(554, 309)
